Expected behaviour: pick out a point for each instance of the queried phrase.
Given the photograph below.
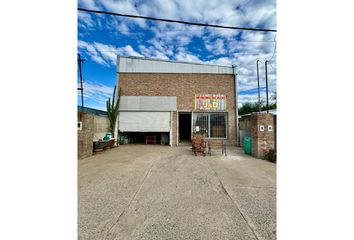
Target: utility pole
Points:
(266, 75)
(259, 94)
(80, 60)
(236, 107)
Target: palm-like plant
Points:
(113, 110)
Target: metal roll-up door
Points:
(144, 121)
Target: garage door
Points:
(144, 121)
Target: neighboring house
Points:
(172, 100)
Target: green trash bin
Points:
(107, 137)
(247, 144)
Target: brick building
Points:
(172, 100)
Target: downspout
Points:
(259, 94)
(117, 91)
(237, 130)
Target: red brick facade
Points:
(184, 87)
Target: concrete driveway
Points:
(160, 192)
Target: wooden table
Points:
(150, 139)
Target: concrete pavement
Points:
(159, 192)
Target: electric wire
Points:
(176, 21)
(188, 23)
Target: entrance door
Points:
(184, 128)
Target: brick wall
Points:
(262, 142)
(184, 87)
(245, 128)
(85, 136)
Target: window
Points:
(210, 124)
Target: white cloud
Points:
(185, 56)
(253, 97)
(90, 50)
(171, 41)
(215, 47)
(96, 92)
(124, 6)
(151, 52)
(128, 51)
(90, 4)
(99, 60)
(264, 14)
(105, 54)
(97, 89)
(223, 12)
(108, 52)
(247, 98)
(123, 28)
(222, 61)
(85, 20)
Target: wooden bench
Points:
(217, 144)
(103, 144)
(150, 139)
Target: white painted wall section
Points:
(148, 103)
(146, 65)
(144, 121)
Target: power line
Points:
(111, 51)
(80, 60)
(271, 57)
(177, 21)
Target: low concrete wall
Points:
(94, 127)
(85, 135)
(100, 126)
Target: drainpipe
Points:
(116, 130)
(236, 107)
(259, 94)
(266, 75)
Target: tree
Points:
(249, 107)
(273, 105)
(274, 97)
(113, 110)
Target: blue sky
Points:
(102, 37)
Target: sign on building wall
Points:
(210, 102)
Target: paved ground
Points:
(160, 192)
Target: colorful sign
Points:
(210, 102)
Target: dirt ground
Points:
(161, 192)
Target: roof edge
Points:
(172, 61)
